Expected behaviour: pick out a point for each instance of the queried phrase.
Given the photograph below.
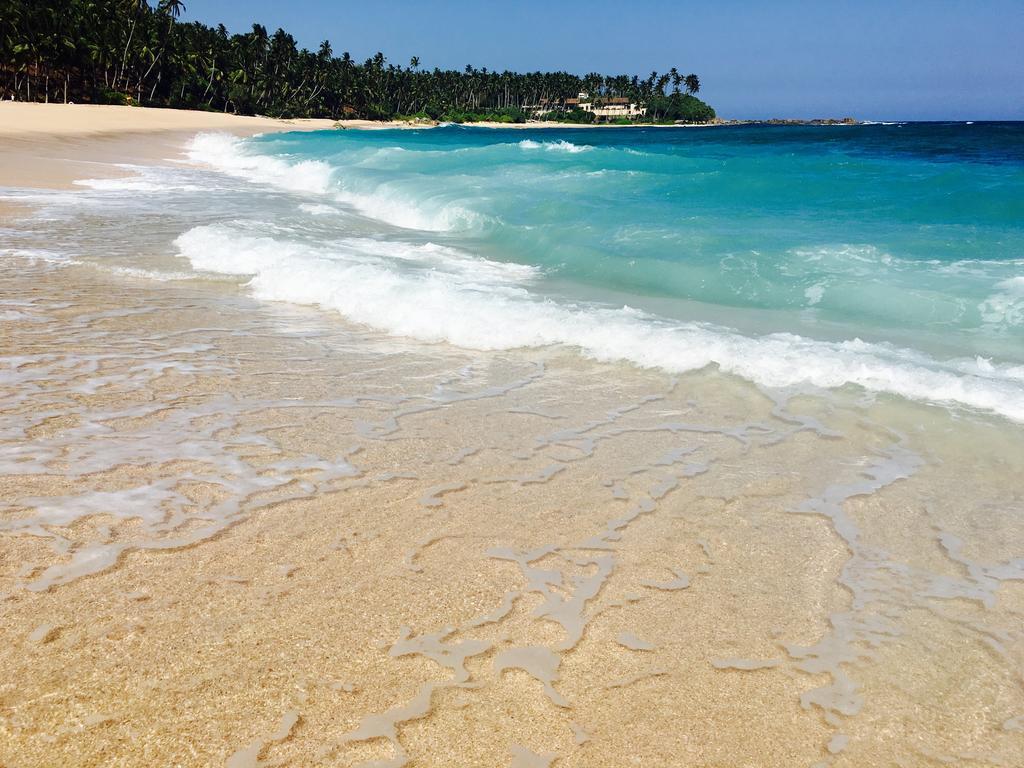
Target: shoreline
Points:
(246, 532)
(49, 146)
(18, 118)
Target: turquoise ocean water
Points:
(887, 257)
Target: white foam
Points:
(436, 294)
(143, 179)
(554, 146)
(227, 249)
(1005, 307)
(317, 209)
(814, 294)
(38, 255)
(840, 255)
(151, 274)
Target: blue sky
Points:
(937, 59)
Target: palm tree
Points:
(135, 6)
(173, 8)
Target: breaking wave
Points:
(436, 293)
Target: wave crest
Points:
(234, 156)
(554, 146)
(435, 293)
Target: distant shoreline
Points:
(555, 124)
(51, 145)
(19, 120)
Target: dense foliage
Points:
(675, 107)
(126, 51)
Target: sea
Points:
(496, 436)
(888, 257)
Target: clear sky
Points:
(872, 59)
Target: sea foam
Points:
(1005, 307)
(226, 153)
(554, 146)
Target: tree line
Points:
(130, 52)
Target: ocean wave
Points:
(383, 202)
(398, 209)
(236, 249)
(437, 294)
(228, 154)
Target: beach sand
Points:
(248, 534)
(51, 145)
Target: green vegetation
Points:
(571, 116)
(502, 115)
(129, 52)
(678, 107)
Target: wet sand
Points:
(245, 534)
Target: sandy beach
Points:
(243, 533)
(51, 145)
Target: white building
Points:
(613, 107)
(607, 107)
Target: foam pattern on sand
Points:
(533, 542)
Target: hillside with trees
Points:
(129, 52)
